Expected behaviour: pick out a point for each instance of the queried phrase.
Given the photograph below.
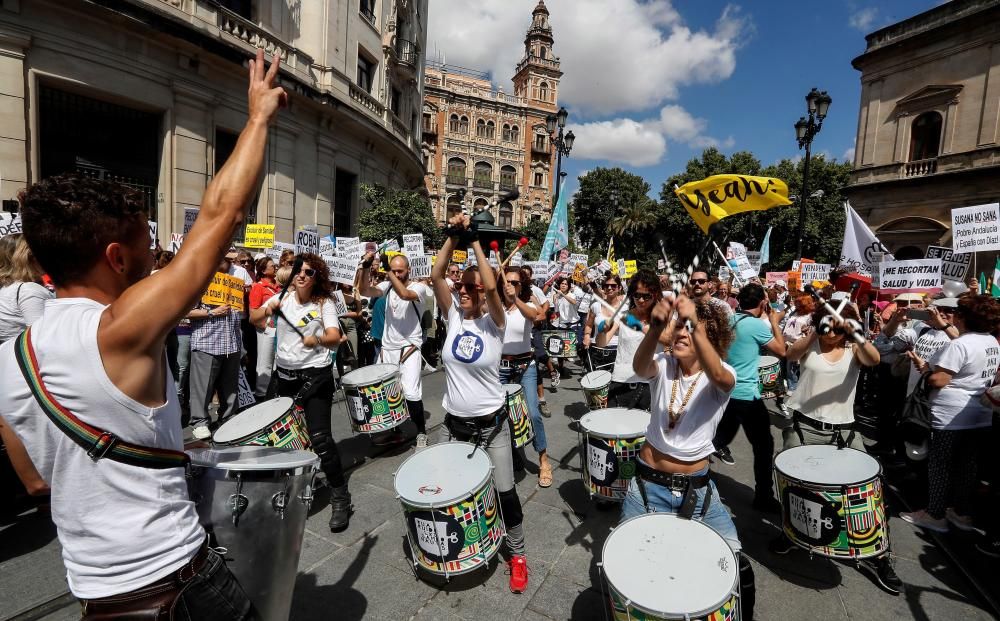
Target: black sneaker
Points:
(725, 456)
(781, 545)
(990, 547)
(885, 575)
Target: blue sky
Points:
(650, 83)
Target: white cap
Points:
(840, 295)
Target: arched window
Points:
(454, 206)
(508, 178)
(481, 128)
(484, 176)
(506, 215)
(491, 129)
(463, 125)
(505, 133)
(543, 91)
(925, 136)
(456, 171)
(514, 132)
(454, 123)
(480, 204)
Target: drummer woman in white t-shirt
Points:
(599, 330)
(690, 387)
(304, 362)
(629, 389)
(474, 398)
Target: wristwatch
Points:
(948, 325)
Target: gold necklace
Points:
(676, 415)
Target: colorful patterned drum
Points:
(769, 378)
(278, 422)
(374, 398)
(611, 439)
(520, 420)
(659, 566)
(559, 343)
(595, 388)
(831, 501)
(450, 508)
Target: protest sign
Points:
(390, 245)
(459, 256)
(152, 234)
(224, 290)
(795, 281)
(578, 259)
(420, 267)
(176, 239)
(517, 260)
(974, 229)
(327, 247)
(754, 257)
(244, 395)
(350, 248)
(772, 277)
(306, 240)
(604, 265)
(580, 274)
(10, 225)
(190, 215)
(916, 276)
(413, 245)
(740, 264)
(661, 264)
(630, 268)
(814, 271)
(342, 270)
(259, 236)
(953, 266)
(724, 273)
(339, 303)
(622, 268)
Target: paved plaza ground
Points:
(364, 572)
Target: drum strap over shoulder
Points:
(98, 443)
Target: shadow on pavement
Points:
(313, 600)
(26, 533)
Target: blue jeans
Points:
(663, 500)
(529, 382)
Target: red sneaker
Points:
(518, 569)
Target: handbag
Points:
(915, 422)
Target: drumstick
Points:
(856, 336)
(495, 247)
(521, 243)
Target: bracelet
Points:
(949, 325)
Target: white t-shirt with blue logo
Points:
(471, 357)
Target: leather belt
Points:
(802, 419)
(671, 480)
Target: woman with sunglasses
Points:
(474, 398)
(517, 363)
(262, 291)
(308, 335)
(628, 389)
(600, 330)
(563, 300)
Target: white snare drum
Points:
(254, 501)
(595, 387)
(831, 501)
(659, 566)
(450, 508)
(609, 447)
(374, 396)
(278, 422)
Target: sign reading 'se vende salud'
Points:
(974, 229)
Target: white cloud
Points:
(849, 156)
(863, 19)
(620, 140)
(620, 56)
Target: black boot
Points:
(340, 505)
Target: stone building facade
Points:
(929, 125)
(153, 93)
(487, 142)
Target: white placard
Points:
(470, 258)
(517, 260)
(306, 240)
(916, 276)
(621, 268)
(814, 271)
(326, 247)
(724, 273)
(420, 267)
(953, 265)
(152, 234)
(740, 264)
(349, 248)
(578, 259)
(974, 229)
(176, 239)
(754, 257)
(244, 395)
(413, 245)
(605, 265)
(736, 250)
(343, 270)
(339, 303)
(795, 265)
(190, 215)
(390, 245)
(10, 225)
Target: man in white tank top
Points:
(131, 541)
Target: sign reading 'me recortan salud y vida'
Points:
(974, 229)
(916, 276)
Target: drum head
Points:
(252, 420)
(826, 465)
(595, 380)
(252, 458)
(442, 474)
(767, 361)
(512, 389)
(370, 375)
(668, 566)
(616, 423)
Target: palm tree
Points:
(636, 220)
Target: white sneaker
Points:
(961, 522)
(201, 432)
(785, 410)
(922, 519)
(421, 441)
(429, 369)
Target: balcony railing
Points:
(407, 52)
(920, 168)
(456, 180)
(252, 34)
(507, 186)
(539, 148)
(483, 183)
(367, 13)
(359, 95)
(429, 127)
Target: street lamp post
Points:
(817, 105)
(563, 143)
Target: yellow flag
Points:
(718, 196)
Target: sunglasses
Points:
(698, 281)
(467, 287)
(610, 285)
(642, 297)
(308, 272)
(516, 283)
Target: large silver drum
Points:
(253, 501)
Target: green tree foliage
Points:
(631, 219)
(535, 231)
(393, 213)
(824, 220)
